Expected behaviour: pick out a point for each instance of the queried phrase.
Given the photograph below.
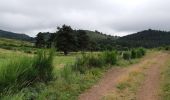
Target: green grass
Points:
(60, 61)
(67, 82)
(17, 72)
(17, 45)
(13, 42)
(165, 88)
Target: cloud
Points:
(116, 17)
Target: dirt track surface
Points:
(148, 88)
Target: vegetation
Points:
(110, 57)
(165, 83)
(134, 53)
(17, 36)
(66, 39)
(52, 75)
(147, 38)
(127, 55)
(25, 71)
(17, 45)
(65, 83)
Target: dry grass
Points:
(128, 83)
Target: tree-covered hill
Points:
(95, 35)
(147, 38)
(75, 40)
(17, 36)
(101, 41)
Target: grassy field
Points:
(17, 45)
(42, 90)
(72, 74)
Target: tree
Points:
(40, 41)
(65, 40)
(82, 40)
(51, 40)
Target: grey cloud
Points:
(118, 17)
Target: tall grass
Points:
(87, 61)
(70, 80)
(21, 71)
(43, 64)
(127, 55)
(16, 70)
(134, 53)
(110, 57)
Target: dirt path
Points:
(108, 82)
(149, 90)
(105, 85)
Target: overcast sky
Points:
(116, 17)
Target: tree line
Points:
(67, 39)
(147, 38)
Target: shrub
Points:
(142, 51)
(95, 61)
(138, 53)
(110, 57)
(127, 55)
(80, 63)
(87, 61)
(165, 48)
(133, 54)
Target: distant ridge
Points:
(147, 38)
(17, 36)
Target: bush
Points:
(138, 53)
(87, 61)
(110, 57)
(127, 55)
(80, 63)
(143, 51)
(133, 54)
(95, 61)
(167, 48)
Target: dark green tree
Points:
(40, 41)
(82, 40)
(65, 39)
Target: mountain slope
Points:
(11, 35)
(147, 38)
(95, 35)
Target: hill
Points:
(147, 38)
(95, 35)
(17, 36)
(100, 41)
(14, 43)
(97, 40)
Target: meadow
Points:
(55, 76)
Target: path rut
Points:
(109, 80)
(149, 89)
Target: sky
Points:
(114, 17)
